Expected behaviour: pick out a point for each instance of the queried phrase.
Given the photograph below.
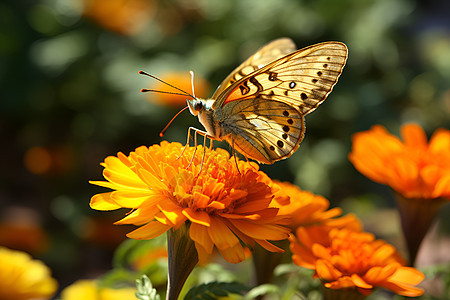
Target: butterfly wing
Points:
(256, 128)
(265, 55)
(302, 79)
(256, 108)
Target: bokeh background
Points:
(70, 96)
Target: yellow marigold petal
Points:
(105, 184)
(221, 235)
(199, 234)
(149, 231)
(414, 136)
(82, 289)
(199, 217)
(103, 201)
(119, 174)
(150, 180)
(172, 211)
(261, 231)
(140, 216)
(129, 199)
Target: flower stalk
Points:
(416, 216)
(182, 257)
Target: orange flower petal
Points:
(149, 231)
(199, 217)
(268, 246)
(359, 282)
(326, 271)
(414, 136)
(234, 254)
(199, 235)
(221, 235)
(261, 231)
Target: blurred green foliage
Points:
(70, 88)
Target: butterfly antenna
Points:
(161, 134)
(192, 82)
(160, 80)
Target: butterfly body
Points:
(259, 108)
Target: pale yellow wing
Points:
(265, 55)
(265, 131)
(302, 79)
(262, 113)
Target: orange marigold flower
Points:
(413, 168)
(419, 171)
(222, 207)
(122, 16)
(344, 259)
(303, 208)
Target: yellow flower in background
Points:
(303, 208)
(22, 278)
(349, 260)
(414, 167)
(221, 207)
(89, 290)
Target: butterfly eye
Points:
(198, 106)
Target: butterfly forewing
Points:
(302, 79)
(267, 54)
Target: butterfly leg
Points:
(234, 155)
(206, 135)
(187, 143)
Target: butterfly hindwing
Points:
(262, 130)
(302, 79)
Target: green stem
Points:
(182, 257)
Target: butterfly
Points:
(259, 109)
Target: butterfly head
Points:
(198, 105)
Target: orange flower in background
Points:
(306, 209)
(122, 16)
(412, 167)
(344, 259)
(181, 80)
(221, 207)
(418, 170)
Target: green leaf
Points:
(263, 289)
(215, 289)
(145, 290)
